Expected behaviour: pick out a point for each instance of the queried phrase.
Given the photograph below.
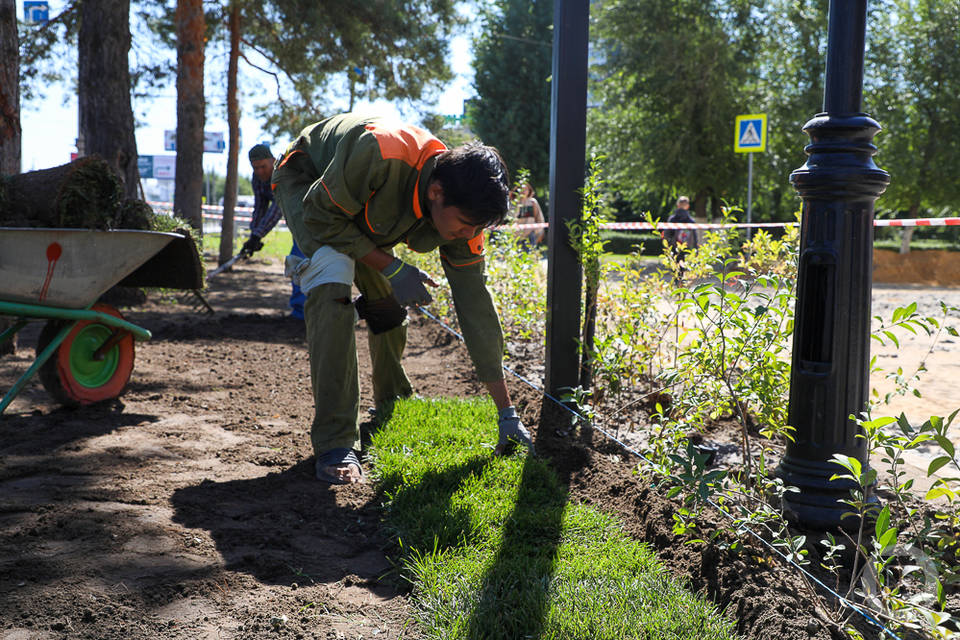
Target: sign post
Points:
(750, 136)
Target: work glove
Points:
(512, 431)
(407, 282)
(381, 315)
(252, 245)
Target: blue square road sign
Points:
(750, 133)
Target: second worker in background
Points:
(266, 214)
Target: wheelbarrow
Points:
(85, 351)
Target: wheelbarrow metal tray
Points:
(70, 268)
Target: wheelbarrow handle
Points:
(39, 311)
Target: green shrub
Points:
(627, 242)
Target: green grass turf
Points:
(495, 550)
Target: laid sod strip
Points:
(494, 550)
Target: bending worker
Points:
(352, 187)
(266, 214)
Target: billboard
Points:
(213, 141)
(158, 167)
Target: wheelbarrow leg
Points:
(12, 330)
(32, 370)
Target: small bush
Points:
(627, 242)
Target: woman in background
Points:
(528, 211)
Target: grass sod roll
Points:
(494, 550)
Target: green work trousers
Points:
(331, 340)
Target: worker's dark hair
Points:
(474, 179)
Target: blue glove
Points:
(407, 282)
(512, 431)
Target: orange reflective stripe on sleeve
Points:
(330, 195)
(417, 211)
(465, 264)
(366, 214)
(287, 157)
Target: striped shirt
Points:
(266, 213)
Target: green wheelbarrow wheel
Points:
(92, 364)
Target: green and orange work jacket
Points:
(354, 183)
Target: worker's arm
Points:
(498, 391)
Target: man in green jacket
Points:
(351, 187)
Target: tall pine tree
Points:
(513, 58)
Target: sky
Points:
(49, 125)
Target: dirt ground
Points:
(187, 509)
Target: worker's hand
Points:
(407, 282)
(252, 245)
(512, 431)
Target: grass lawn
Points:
(494, 550)
(277, 243)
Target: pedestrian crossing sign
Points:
(750, 133)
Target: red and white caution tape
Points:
(647, 225)
(910, 222)
(918, 222)
(213, 210)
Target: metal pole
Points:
(839, 185)
(749, 192)
(568, 124)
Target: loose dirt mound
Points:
(932, 268)
(188, 509)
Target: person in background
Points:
(352, 187)
(681, 241)
(266, 214)
(528, 211)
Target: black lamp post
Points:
(839, 184)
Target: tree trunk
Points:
(103, 83)
(233, 149)
(906, 233)
(699, 204)
(716, 208)
(188, 189)
(9, 89)
(9, 117)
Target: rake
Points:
(195, 299)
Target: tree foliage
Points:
(513, 58)
(914, 91)
(672, 76)
(788, 86)
(669, 85)
(318, 52)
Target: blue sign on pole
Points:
(751, 133)
(35, 11)
(145, 166)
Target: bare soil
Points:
(188, 509)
